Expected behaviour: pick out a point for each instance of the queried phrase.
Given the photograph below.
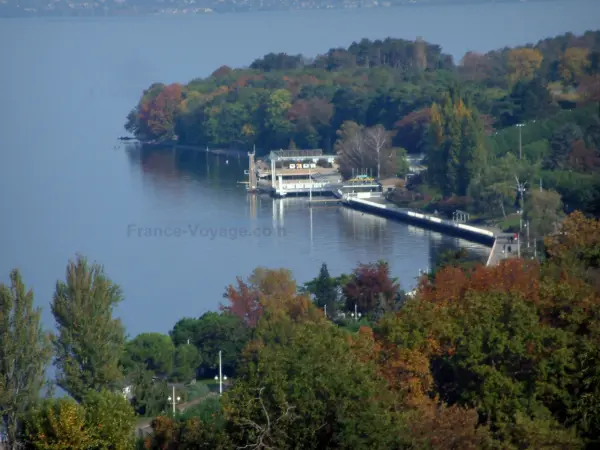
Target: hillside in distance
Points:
(84, 8)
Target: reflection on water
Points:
(166, 163)
(360, 226)
(195, 187)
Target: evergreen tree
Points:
(90, 342)
(25, 351)
(325, 291)
(454, 161)
(457, 150)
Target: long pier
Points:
(378, 205)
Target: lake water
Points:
(66, 87)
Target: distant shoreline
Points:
(178, 12)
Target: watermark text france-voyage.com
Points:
(200, 231)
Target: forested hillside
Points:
(282, 98)
(412, 96)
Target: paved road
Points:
(500, 250)
(143, 427)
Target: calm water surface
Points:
(66, 87)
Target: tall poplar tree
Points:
(90, 341)
(25, 352)
(457, 152)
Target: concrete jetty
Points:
(377, 204)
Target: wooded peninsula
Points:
(529, 112)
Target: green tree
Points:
(278, 103)
(457, 154)
(402, 164)
(543, 211)
(210, 333)
(59, 425)
(90, 341)
(104, 421)
(110, 419)
(187, 362)
(25, 352)
(149, 394)
(185, 329)
(561, 144)
(290, 395)
(153, 351)
(325, 290)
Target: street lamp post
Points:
(519, 126)
(356, 314)
(173, 400)
(378, 165)
(220, 378)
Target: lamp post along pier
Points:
(220, 378)
(356, 315)
(174, 400)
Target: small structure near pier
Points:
(296, 172)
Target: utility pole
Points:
(519, 126)
(310, 187)
(540, 185)
(325, 310)
(518, 245)
(521, 191)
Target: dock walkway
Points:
(492, 237)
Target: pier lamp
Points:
(220, 378)
(174, 400)
(356, 315)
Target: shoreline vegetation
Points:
(511, 137)
(502, 357)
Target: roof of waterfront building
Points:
(295, 154)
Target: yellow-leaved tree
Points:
(523, 63)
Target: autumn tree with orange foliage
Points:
(159, 113)
(266, 291)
